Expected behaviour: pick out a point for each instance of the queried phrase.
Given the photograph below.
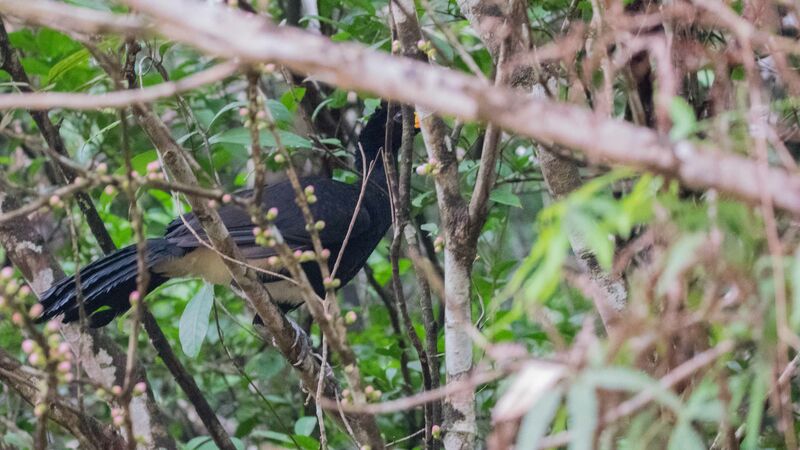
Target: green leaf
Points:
(225, 109)
(684, 437)
(293, 97)
(305, 425)
(194, 321)
(264, 366)
(684, 121)
(680, 255)
(273, 435)
(65, 65)
(206, 443)
(537, 420)
(704, 404)
(582, 406)
(505, 197)
(345, 176)
(758, 394)
(594, 236)
(140, 162)
(306, 442)
(18, 439)
(241, 136)
(279, 112)
(632, 380)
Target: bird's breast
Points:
(202, 262)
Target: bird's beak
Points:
(416, 121)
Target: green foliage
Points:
(193, 325)
(704, 258)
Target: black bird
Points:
(107, 283)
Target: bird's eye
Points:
(398, 117)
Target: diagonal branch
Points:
(37, 101)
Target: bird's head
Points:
(373, 136)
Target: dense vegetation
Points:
(632, 267)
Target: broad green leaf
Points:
(279, 112)
(67, 64)
(194, 320)
(222, 111)
(704, 404)
(683, 118)
(684, 437)
(582, 406)
(206, 443)
(505, 197)
(273, 435)
(306, 442)
(18, 439)
(755, 410)
(632, 380)
(264, 366)
(241, 136)
(305, 425)
(292, 98)
(535, 424)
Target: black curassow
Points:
(107, 283)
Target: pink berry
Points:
(36, 311)
(64, 349)
(28, 346)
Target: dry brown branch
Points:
(116, 99)
(698, 166)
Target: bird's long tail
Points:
(106, 285)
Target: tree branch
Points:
(101, 358)
(231, 34)
(37, 101)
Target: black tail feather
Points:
(106, 285)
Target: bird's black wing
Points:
(335, 205)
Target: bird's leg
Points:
(237, 290)
(301, 338)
